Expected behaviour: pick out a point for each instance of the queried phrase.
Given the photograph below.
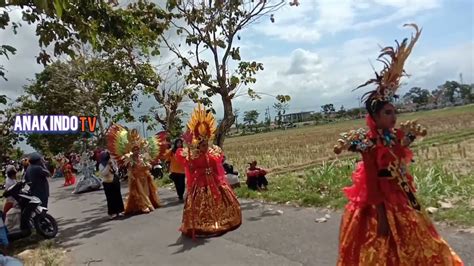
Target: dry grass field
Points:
(450, 137)
(306, 172)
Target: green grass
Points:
(164, 182)
(319, 186)
(322, 186)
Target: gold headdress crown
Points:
(388, 80)
(134, 140)
(201, 126)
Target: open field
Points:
(450, 137)
(306, 172)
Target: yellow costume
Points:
(129, 150)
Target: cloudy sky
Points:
(319, 51)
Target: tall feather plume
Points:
(388, 80)
(157, 145)
(117, 142)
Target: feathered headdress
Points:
(201, 127)
(121, 142)
(388, 80)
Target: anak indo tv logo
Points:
(59, 124)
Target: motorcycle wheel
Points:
(46, 226)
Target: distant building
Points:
(296, 117)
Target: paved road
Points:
(270, 235)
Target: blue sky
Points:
(319, 51)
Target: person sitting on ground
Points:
(256, 179)
(231, 174)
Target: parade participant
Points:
(108, 171)
(135, 153)
(176, 168)
(87, 181)
(211, 207)
(383, 223)
(69, 177)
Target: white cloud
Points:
(330, 75)
(313, 20)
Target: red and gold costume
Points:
(129, 150)
(211, 207)
(69, 177)
(382, 177)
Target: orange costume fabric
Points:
(412, 239)
(143, 193)
(175, 165)
(211, 207)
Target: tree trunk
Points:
(101, 136)
(226, 122)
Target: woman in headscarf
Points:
(37, 175)
(108, 171)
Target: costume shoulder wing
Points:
(409, 130)
(117, 142)
(354, 140)
(216, 152)
(157, 146)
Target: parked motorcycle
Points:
(32, 215)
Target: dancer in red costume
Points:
(211, 207)
(383, 223)
(69, 177)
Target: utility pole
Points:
(460, 78)
(267, 115)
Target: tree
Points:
(450, 88)
(170, 95)
(17, 154)
(317, 117)
(418, 96)
(436, 95)
(342, 111)
(215, 25)
(280, 109)
(251, 117)
(328, 109)
(83, 86)
(66, 24)
(8, 138)
(467, 92)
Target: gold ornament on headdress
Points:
(134, 140)
(120, 143)
(388, 80)
(202, 125)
